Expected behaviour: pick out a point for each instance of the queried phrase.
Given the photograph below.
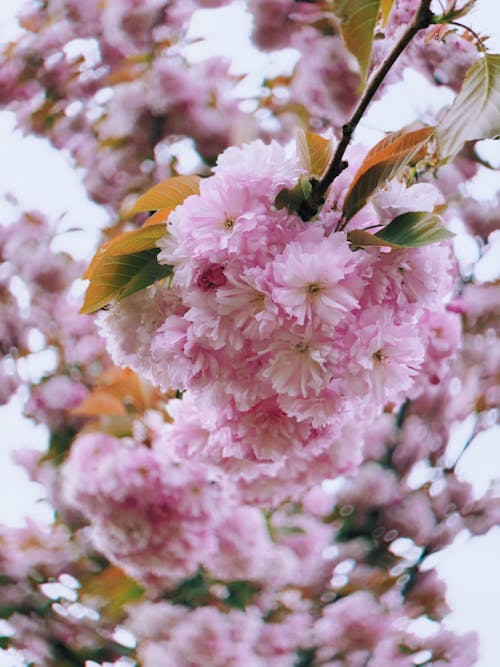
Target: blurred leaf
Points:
(383, 163)
(315, 152)
(59, 445)
(99, 403)
(128, 386)
(240, 593)
(475, 113)
(109, 591)
(191, 592)
(305, 657)
(358, 18)
(168, 194)
(405, 231)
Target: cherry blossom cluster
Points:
(194, 515)
(286, 338)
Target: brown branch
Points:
(421, 19)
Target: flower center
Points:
(257, 300)
(314, 288)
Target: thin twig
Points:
(467, 28)
(468, 442)
(421, 19)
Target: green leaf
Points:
(115, 277)
(359, 238)
(59, 445)
(315, 152)
(240, 593)
(149, 272)
(125, 243)
(137, 240)
(475, 113)
(167, 194)
(407, 230)
(192, 592)
(292, 199)
(415, 229)
(358, 18)
(384, 162)
(305, 657)
(123, 266)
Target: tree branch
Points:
(421, 19)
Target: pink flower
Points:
(386, 365)
(299, 367)
(151, 515)
(51, 400)
(309, 278)
(354, 623)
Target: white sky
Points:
(40, 178)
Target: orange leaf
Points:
(167, 194)
(127, 385)
(383, 162)
(385, 10)
(98, 403)
(315, 152)
(160, 216)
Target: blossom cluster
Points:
(285, 338)
(195, 518)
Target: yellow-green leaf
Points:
(359, 238)
(385, 10)
(136, 240)
(358, 19)
(114, 277)
(109, 590)
(383, 163)
(167, 194)
(415, 228)
(475, 113)
(408, 230)
(315, 152)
